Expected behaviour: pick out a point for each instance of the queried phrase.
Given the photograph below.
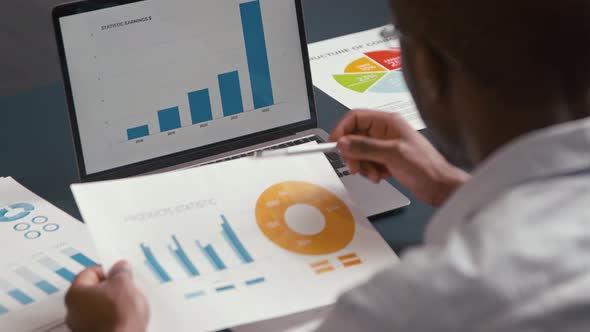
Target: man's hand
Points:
(97, 303)
(380, 145)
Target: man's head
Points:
(486, 71)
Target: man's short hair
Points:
(519, 47)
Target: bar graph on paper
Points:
(179, 251)
(48, 275)
(232, 102)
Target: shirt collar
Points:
(549, 152)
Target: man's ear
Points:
(425, 70)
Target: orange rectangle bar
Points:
(318, 264)
(324, 270)
(347, 257)
(352, 263)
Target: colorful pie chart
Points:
(376, 72)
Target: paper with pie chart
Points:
(252, 239)
(364, 71)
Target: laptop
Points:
(153, 87)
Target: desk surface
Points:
(37, 149)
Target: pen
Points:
(298, 150)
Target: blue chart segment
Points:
(232, 238)
(225, 288)
(57, 269)
(169, 119)
(138, 132)
(255, 281)
(256, 52)
(79, 257)
(15, 293)
(231, 93)
(3, 310)
(182, 258)
(392, 83)
(36, 280)
(200, 105)
(154, 265)
(212, 256)
(15, 212)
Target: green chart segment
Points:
(358, 82)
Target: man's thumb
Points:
(120, 272)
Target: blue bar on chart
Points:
(154, 265)
(232, 238)
(3, 310)
(15, 293)
(193, 295)
(182, 258)
(200, 105)
(257, 54)
(255, 281)
(138, 132)
(36, 280)
(57, 268)
(225, 288)
(79, 257)
(231, 93)
(212, 256)
(169, 119)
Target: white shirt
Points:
(509, 251)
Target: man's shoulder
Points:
(563, 199)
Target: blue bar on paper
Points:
(215, 257)
(183, 258)
(193, 295)
(46, 287)
(21, 297)
(200, 105)
(169, 119)
(138, 132)
(83, 260)
(231, 93)
(256, 53)
(225, 288)
(235, 242)
(66, 274)
(154, 265)
(255, 281)
(212, 256)
(3, 310)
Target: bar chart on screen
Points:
(229, 87)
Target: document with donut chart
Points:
(234, 243)
(43, 249)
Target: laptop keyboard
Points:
(334, 158)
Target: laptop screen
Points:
(153, 79)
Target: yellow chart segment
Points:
(276, 200)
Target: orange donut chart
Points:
(274, 202)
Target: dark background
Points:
(35, 142)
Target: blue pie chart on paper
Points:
(15, 212)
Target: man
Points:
(508, 84)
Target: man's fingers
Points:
(92, 276)
(121, 272)
(360, 121)
(367, 149)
